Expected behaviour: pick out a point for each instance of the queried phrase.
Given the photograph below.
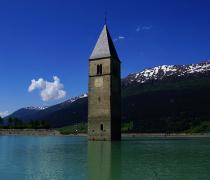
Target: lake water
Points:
(28, 157)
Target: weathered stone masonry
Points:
(104, 98)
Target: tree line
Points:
(16, 123)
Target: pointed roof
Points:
(104, 46)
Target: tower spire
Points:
(104, 46)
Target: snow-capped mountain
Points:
(168, 91)
(155, 73)
(71, 100)
(40, 108)
(32, 112)
(164, 71)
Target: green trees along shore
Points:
(15, 123)
(127, 127)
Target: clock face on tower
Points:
(98, 82)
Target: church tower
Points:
(104, 96)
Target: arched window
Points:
(102, 127)
(99, 69)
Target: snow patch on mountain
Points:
(71, 100)
(40, 108)
(160, 72)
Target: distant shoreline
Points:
(29, 132)
(54, 132)
(164, 135)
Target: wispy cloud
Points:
(4, 114)
(48, 90)
(146, 27)
(119, 38)
(139, 28)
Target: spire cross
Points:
(105, 17)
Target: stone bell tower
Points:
(104, 96)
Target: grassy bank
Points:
(82, 128)
(203, 127)
(73, 129)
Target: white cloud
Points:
(48, 90)
(139, 28)
(119, 38)
(4, 114)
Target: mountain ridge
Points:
(173, 90)
(155, 73)
(160, 72)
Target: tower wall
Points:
(104, 98)
(99, 104)
(104, 106)
(115, 100)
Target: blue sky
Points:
(42, 39)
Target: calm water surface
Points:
(28, 157)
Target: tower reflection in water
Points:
(104, 160)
